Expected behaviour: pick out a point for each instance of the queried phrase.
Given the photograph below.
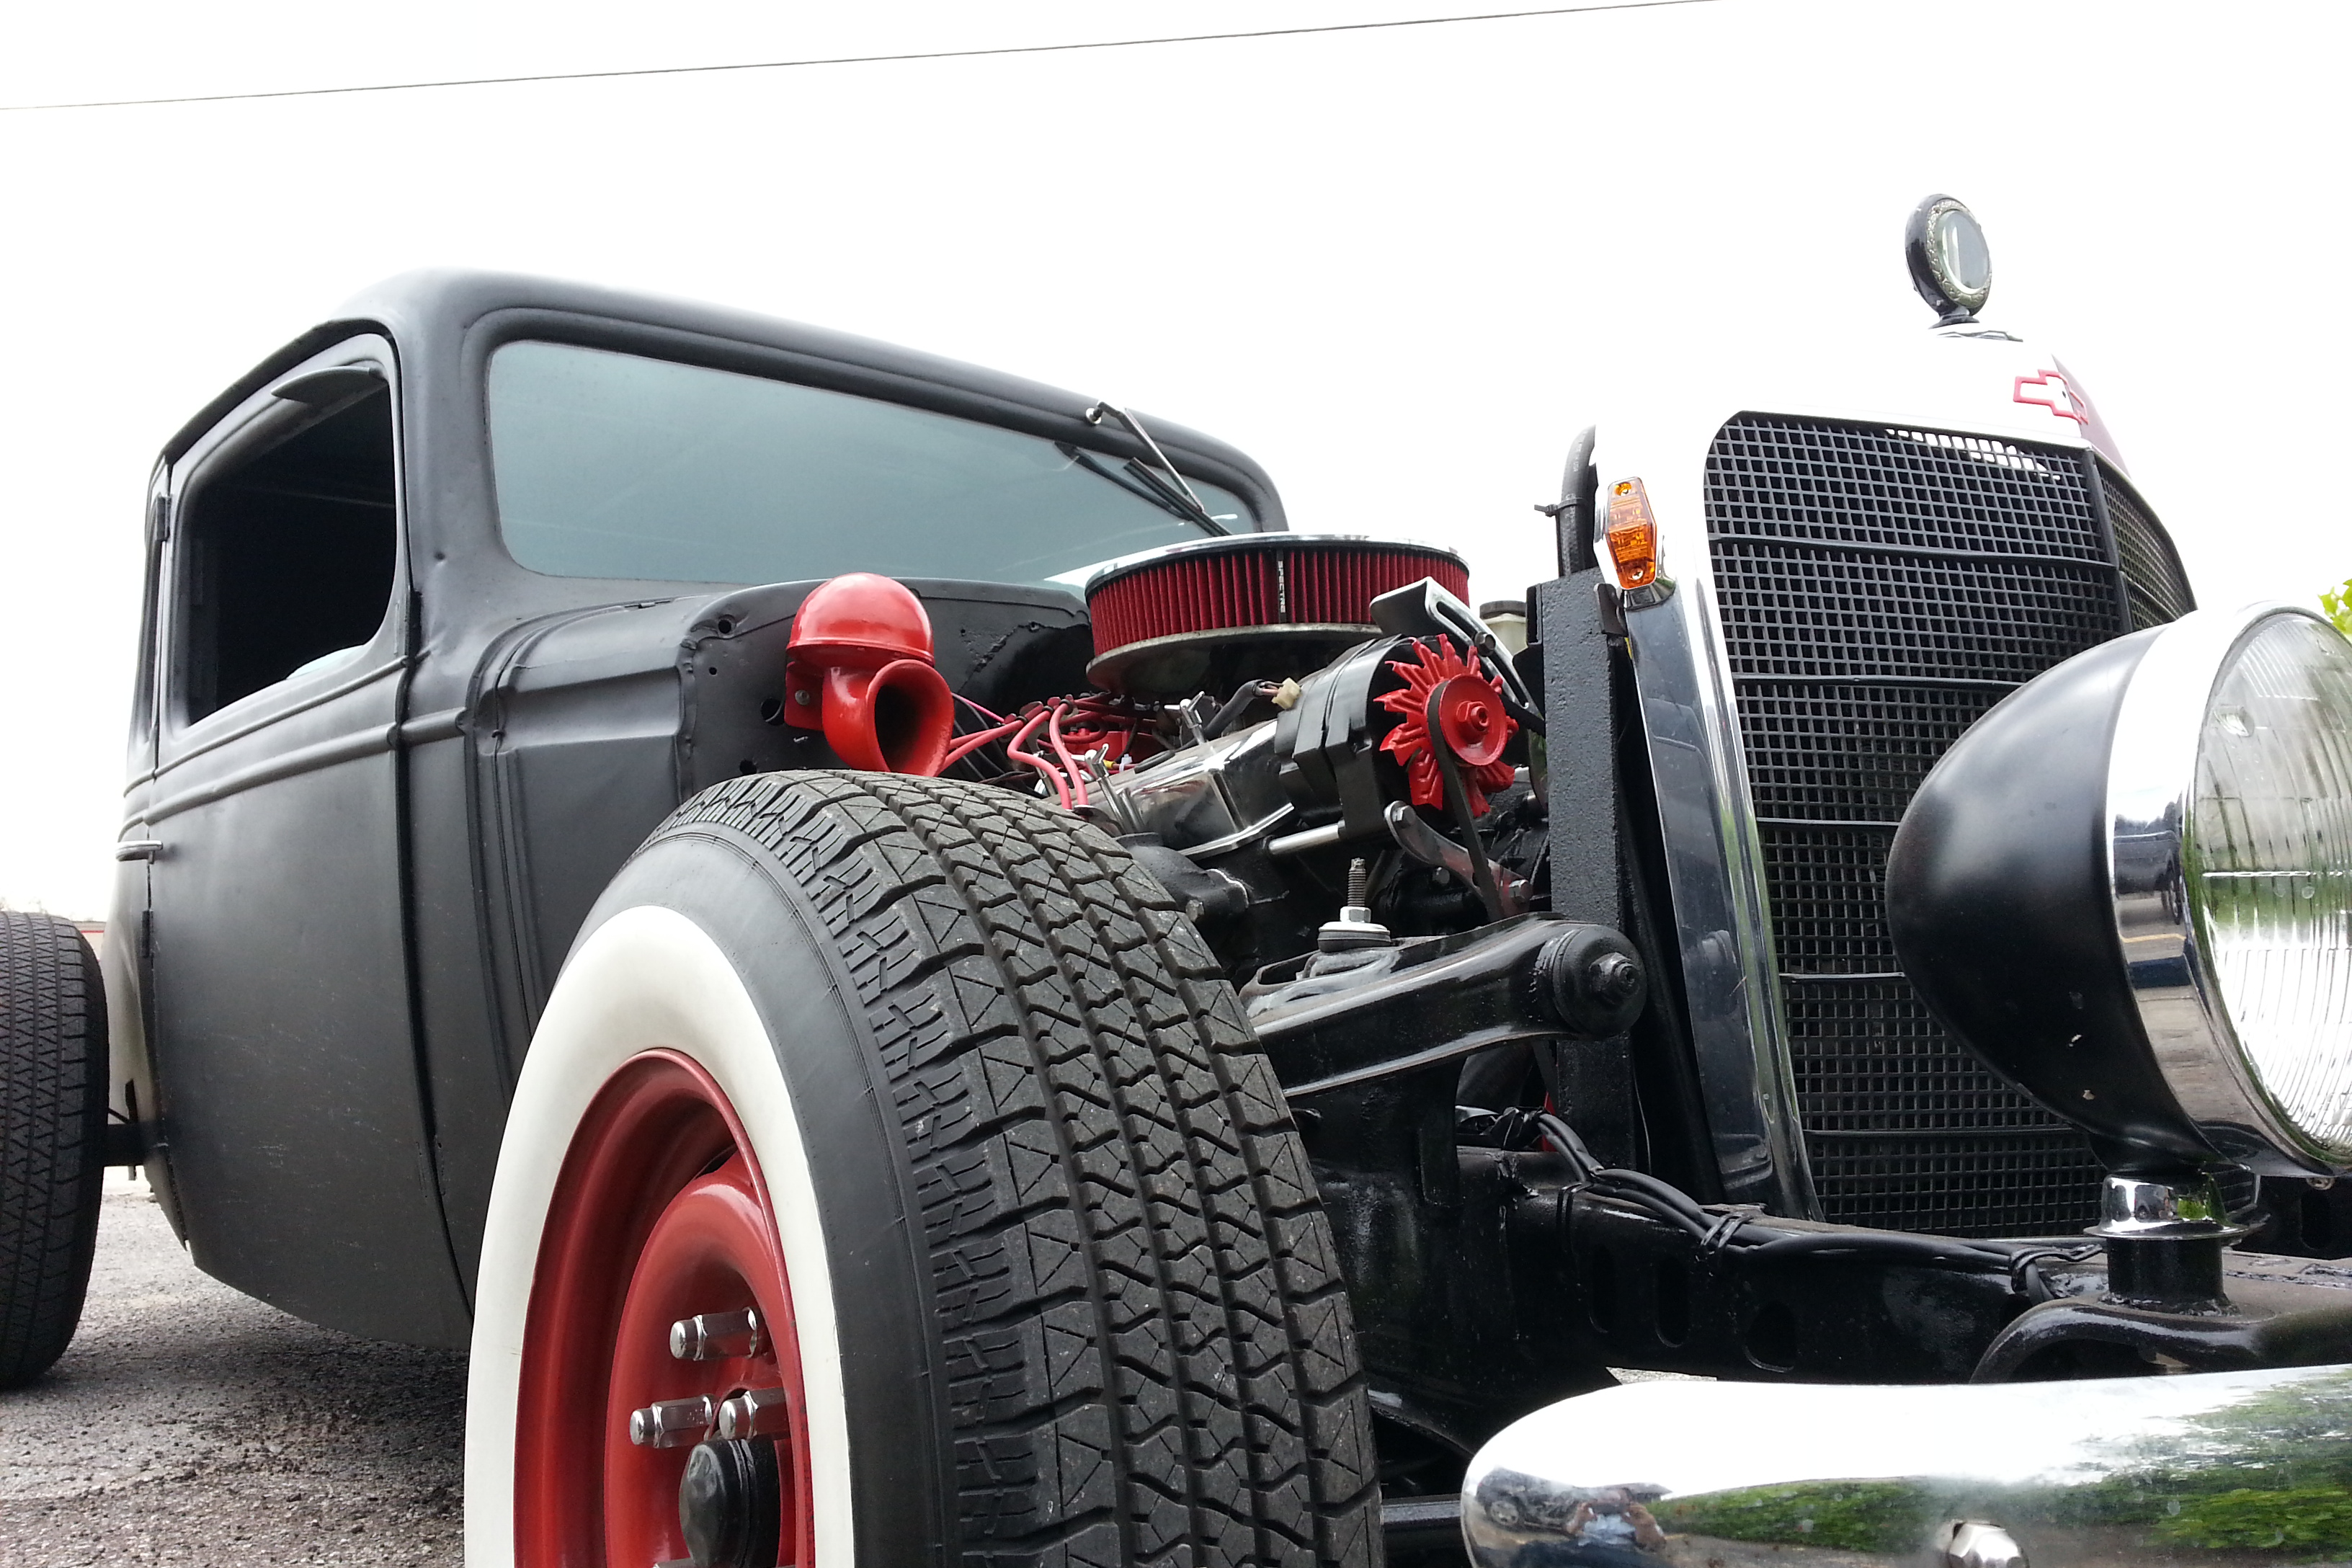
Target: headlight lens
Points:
(1963, 260)
(1951, 264)
(2269, 870)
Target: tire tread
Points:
(1149, 1347)
(52, 1124)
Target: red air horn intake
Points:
(860, 669)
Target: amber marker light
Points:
(1633, 535)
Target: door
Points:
(285, 1052)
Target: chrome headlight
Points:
(2129, 888)
(2233, 873)
(1950, 263)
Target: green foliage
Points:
(2339, 606)
(1853, 1516)
(2267, 1470)
(2272, 1472)
(2300, 1519)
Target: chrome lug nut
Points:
(672, 1423)
(715, 1336)
(755, 1413)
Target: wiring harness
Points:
(1741, 1234)
(1065, 741)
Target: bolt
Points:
(671, 1422)
(1613, 977)
(715, 1336)
(755, 1413)
(1360, 882)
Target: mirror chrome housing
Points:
(2199, 1468)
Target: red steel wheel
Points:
(1059, 1286)
(659, 1216)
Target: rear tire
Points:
(53, 1068)
(1061, 1286)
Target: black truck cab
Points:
(394, 737)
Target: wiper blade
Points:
(1182, 502)
(1179, 497)
(1143, 484)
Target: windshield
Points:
(612, 465)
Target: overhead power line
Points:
(853, 59)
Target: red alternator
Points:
(1470, 718)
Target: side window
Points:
(286, 556)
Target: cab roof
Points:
(429, 314)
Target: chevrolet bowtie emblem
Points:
(2049, 390)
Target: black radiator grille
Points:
(1854, 614)
(2152, 575)
(1879, 590)
(1910, 489)
(1821, 748)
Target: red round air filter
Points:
(1258, 605)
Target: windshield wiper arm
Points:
(1137, 481)
(1181, 497)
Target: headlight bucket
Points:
(2129, 888)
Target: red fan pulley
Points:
(1472, 724)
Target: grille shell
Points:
(1879, 589)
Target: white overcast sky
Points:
(1399, 267)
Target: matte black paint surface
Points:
(1998, 897)
(285, 1070)
(589, 727)
(371, 878)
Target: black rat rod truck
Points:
(924, 982)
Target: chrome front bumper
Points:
(2210, 1469)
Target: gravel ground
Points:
(191, 1425)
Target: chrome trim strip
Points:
(1715, 871)
(2151, 777)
